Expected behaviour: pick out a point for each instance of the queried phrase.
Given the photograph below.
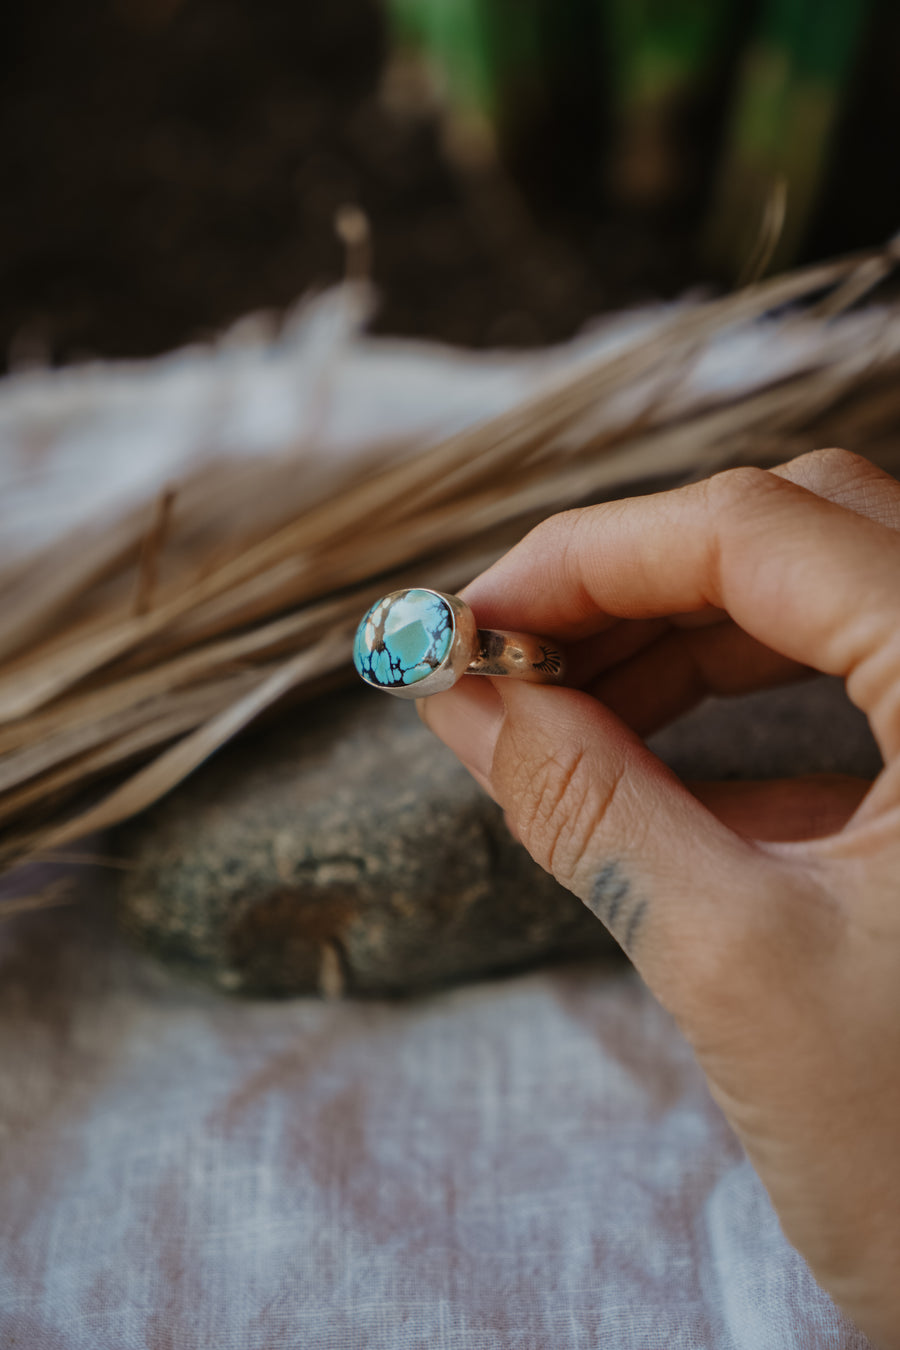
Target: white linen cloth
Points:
(528, 1164)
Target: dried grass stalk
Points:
(130, 655)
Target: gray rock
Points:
(346, 851)
(804, 728)
(343, 851)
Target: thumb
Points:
(677, 889)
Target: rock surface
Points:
(343, 851)
(346, 851)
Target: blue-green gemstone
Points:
(403, 638)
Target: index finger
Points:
(814, 581)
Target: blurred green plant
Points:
(790, 90)
(662, 53)
(481, 55)
(489, 60)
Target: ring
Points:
(415, 643)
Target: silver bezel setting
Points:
(461, 651)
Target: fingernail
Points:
(467, 719)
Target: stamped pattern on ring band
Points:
(418, 642)
(550, 662)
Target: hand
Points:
(765, 917)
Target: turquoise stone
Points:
(403, 638)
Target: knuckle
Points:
(737, 503)
(839, 475)
(556, 529)
(575, 530)
(570, 539)
(849, 480)
(737, 490)
(831, 465)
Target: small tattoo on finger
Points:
(615, 903)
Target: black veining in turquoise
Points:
(403, 638)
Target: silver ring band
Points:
(417, 642)
(517, 654)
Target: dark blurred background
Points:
(168, 165)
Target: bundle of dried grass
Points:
(130, 653)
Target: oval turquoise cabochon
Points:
(403, 638)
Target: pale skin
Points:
(765, 917)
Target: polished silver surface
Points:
(471, 651)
